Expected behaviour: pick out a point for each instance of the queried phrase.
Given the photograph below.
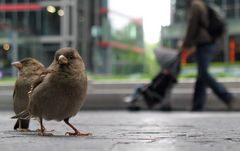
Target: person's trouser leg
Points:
(219, 89)
(204, 55)
(199, 96)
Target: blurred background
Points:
(116, 39)
(110, 41)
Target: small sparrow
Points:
(59, 94)
(29, 70)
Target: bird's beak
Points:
(17, 64)
(62, 59)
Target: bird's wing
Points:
(14, 92)
(39, 80)
(15, 88)
(23, 115)
(24, 124)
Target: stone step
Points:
(109, 96)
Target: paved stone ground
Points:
(130, 131)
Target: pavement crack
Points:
(115, 145)
(150, 132)
(11, 136)
(232, 139)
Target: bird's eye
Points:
(71, 57)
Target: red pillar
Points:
(232, 50)
(184, 56)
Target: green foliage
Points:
(126, 61)
(7, 81)
(132, 34)
(151, 67)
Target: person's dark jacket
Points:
(198, 19)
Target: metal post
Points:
(109, 61)
(96, 39)
(26, 16)
(15, 51)
(4, 13)
(226, 50)
(236, 8)
(64, 24)
(173, 10)
(106, 35)
(83, 32)
(74, 23)
(39, 20)
(15, 16)
(109, 51)
(226, 36)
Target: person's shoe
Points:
(196, 110)
(231, 103)
(165, 108)
(134, 108)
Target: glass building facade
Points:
(229, 8)
(37, 28)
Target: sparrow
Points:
(60, 93)
(29, 70)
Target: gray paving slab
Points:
(130, 131)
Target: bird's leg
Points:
(42, 129)
(76, 132)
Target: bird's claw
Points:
(44, 134)
(23, 130)
(39, 130)
(77, 134)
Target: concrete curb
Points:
(109, 96)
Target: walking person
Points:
(198, 36)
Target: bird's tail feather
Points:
(24, 124)
(25, 115)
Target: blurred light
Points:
(51, 9)
(95, 31)
(6, 47)
(60, 12)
